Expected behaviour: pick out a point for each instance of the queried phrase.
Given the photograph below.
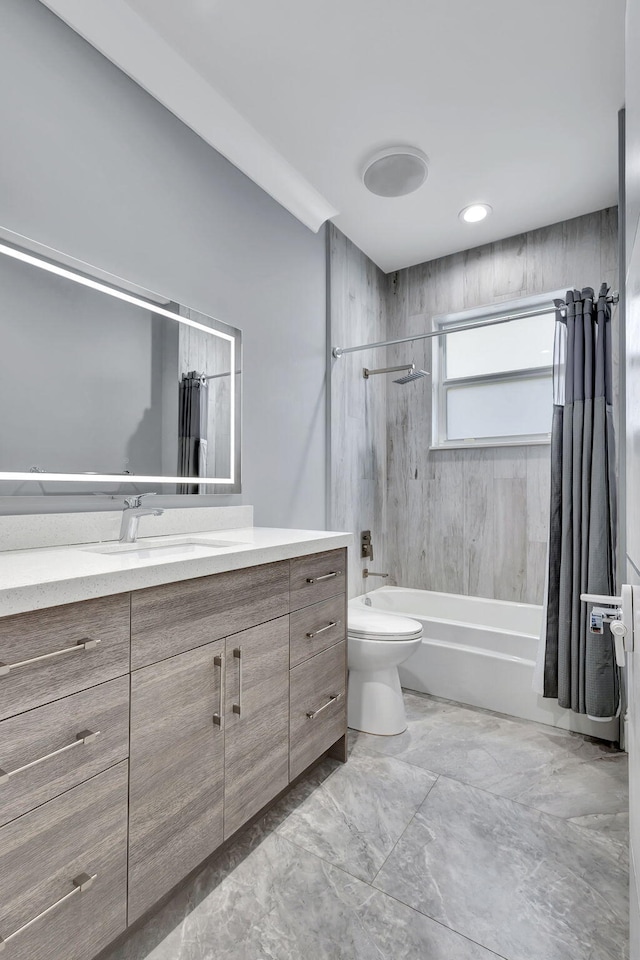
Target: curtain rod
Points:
(338, 352)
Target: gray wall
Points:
(93, 166)
(462, 521)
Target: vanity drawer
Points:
(43, 752)
(49, 654)
(315, 628)
(177, 617)
(317, 720)
(318, 577)
(45, 912)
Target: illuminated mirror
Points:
(105, 387)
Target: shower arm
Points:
(409, 367)
(338, 352)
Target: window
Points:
(493, 386)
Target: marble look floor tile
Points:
(355, 816)
(282, 903)
(612, 826)
(560, 773)
(524, 884)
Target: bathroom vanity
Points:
(149, 709)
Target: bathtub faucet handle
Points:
(369, 573)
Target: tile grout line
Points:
(445, 926)
(330, 863)
(528, 806)
(493, 793)
(419, 807)
(390, 896)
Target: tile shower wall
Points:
(462, 521)
(476, 521)
(358, 424)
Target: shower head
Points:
(410, 368)
(412, 375)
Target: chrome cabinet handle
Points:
(327, 576)
(332, 623)
(332, 699)
(80, 883)
(217, 717)
(237, 707)
(85, 736)
(6, 668)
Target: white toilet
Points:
(377, 643)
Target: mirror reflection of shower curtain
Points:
(577, 667)
(192, 430)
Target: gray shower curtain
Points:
(579, 667)
(192, 430)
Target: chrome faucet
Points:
(132, 511)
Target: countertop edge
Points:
(89, 586)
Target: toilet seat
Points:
(368, 624)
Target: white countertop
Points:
(50, 576)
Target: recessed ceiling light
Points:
(395, 171)
(475, 212)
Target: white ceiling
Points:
(514, 102)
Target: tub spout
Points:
(369, 573)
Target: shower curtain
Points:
(578, 667)
(192, 428)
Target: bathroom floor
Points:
(469, 837)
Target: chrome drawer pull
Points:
(217, 717)
(237, 707)
(332, 699)
(85, 736)
(327, 576)
(6, 668)
(333, 623)
(80, 883)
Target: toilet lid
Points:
(368, 624)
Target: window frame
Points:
(441, 384)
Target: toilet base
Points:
(375, 703)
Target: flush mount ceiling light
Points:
(475, 212)
(395, 171)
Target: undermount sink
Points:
(180, 548)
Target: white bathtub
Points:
(481, 652)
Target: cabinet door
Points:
(177, 771)
(256, 720)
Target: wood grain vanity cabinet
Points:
(317, 577)
(46, 751)
(64, 873)
(318, 708)
(177, 771)
(256, 720)
(180, 616)
(140, 731)
(48, 654)
(318, 657)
